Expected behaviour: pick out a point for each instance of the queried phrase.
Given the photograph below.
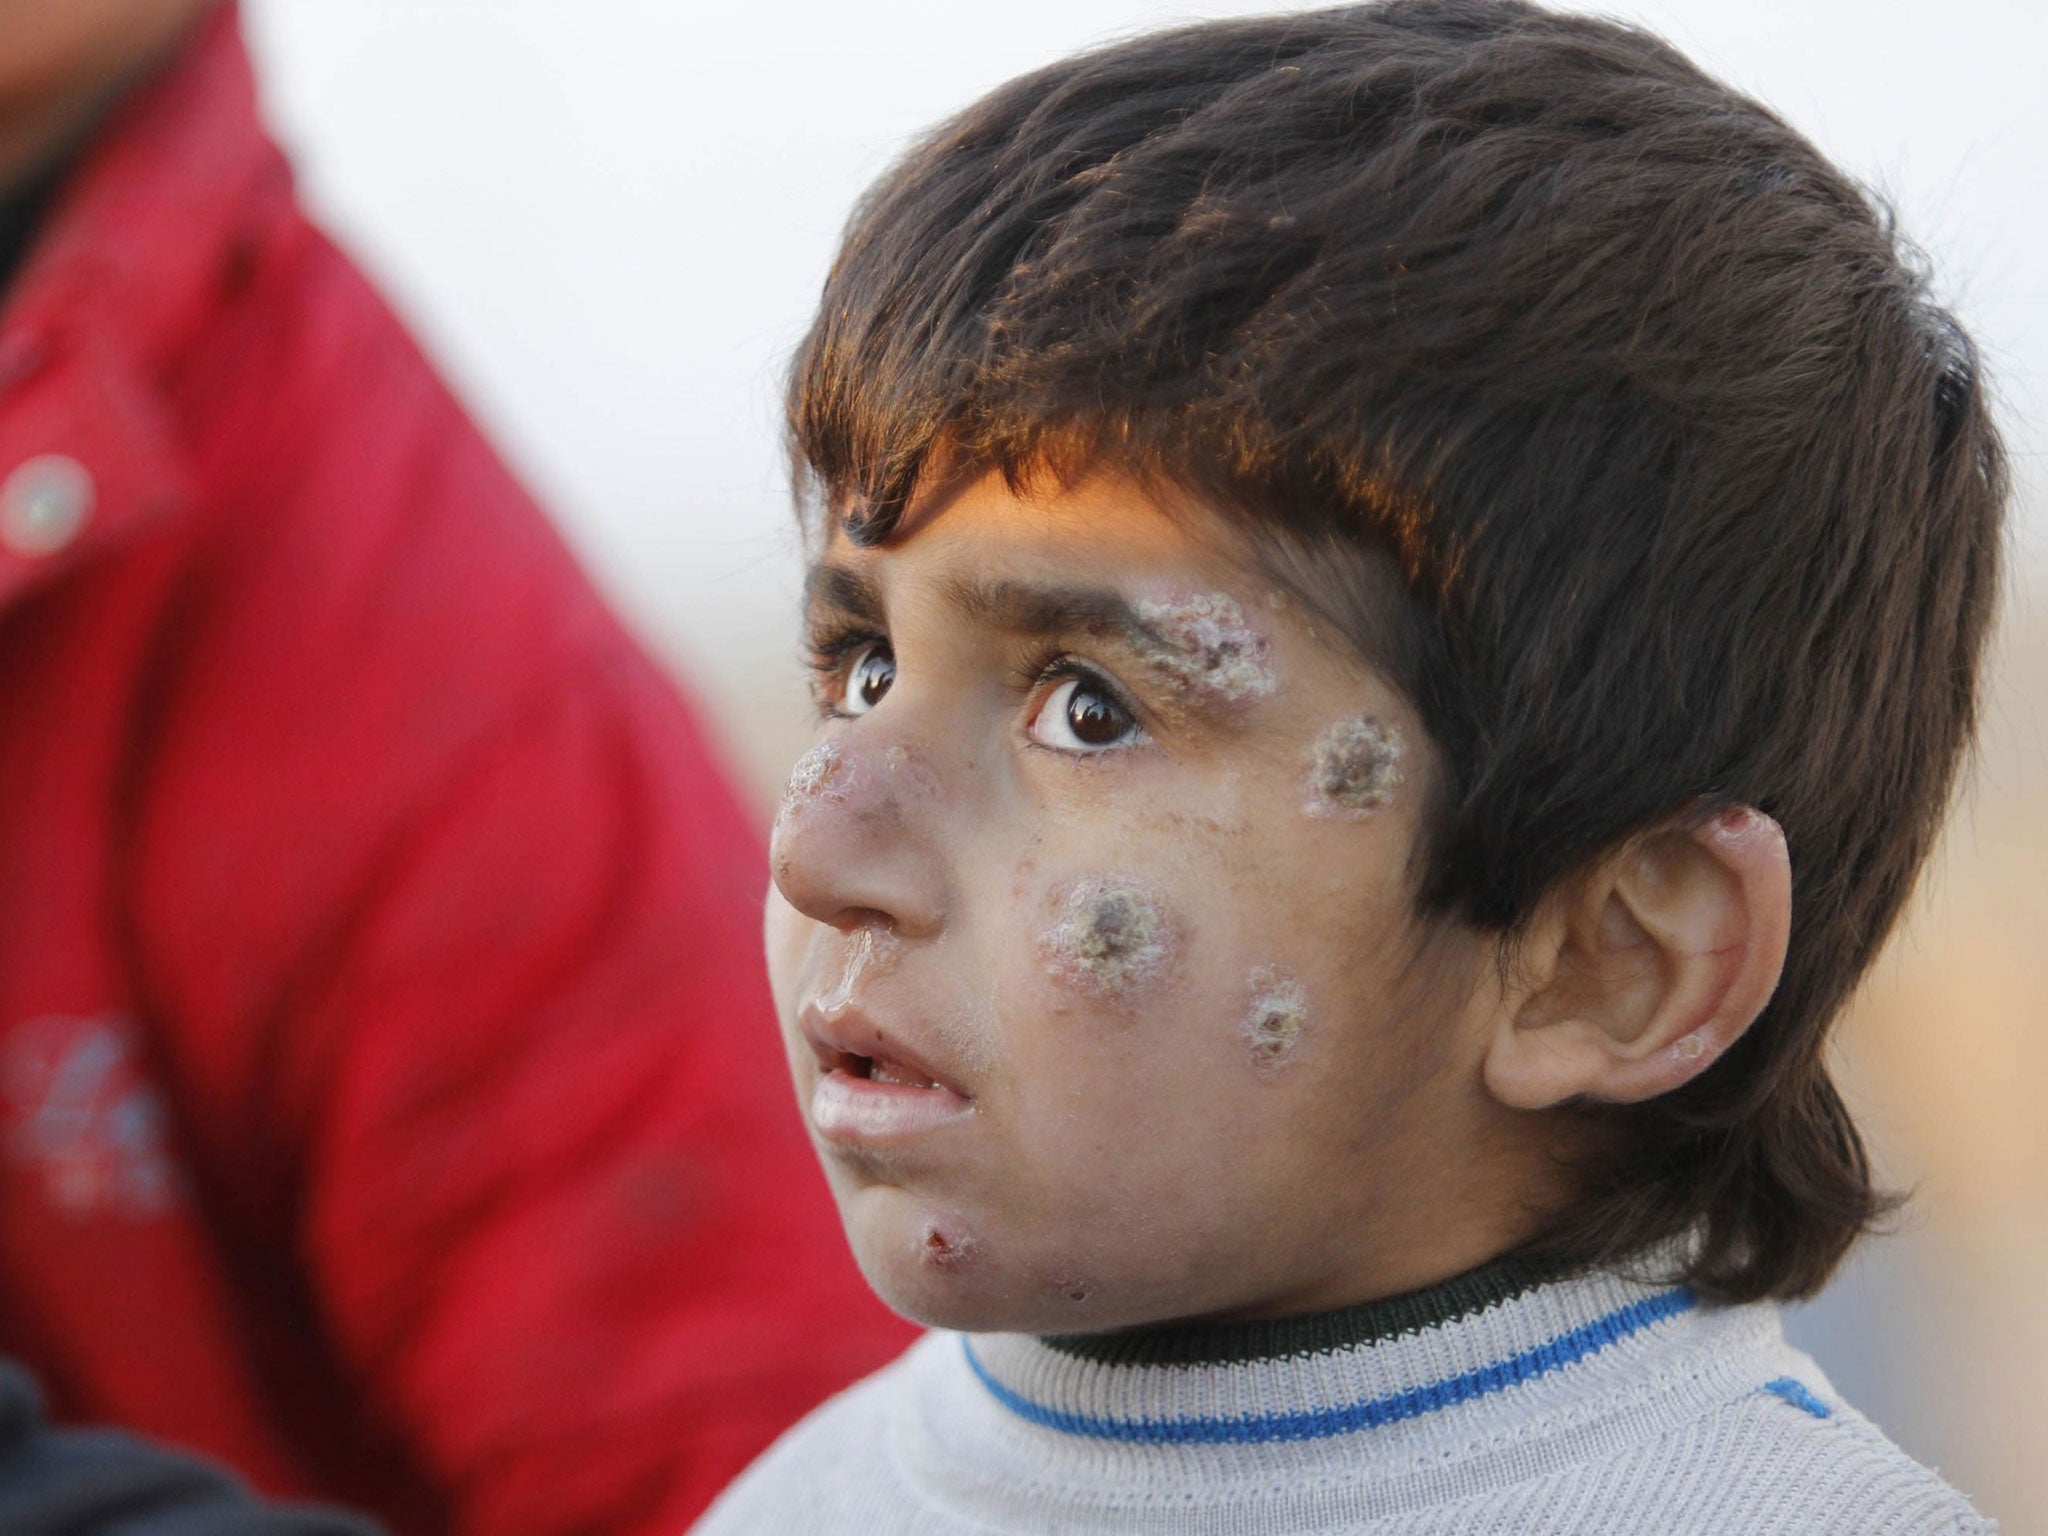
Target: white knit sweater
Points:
(1491, 1404)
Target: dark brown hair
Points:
(1693, 492)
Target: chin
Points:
(960, 1290)
(933, 1265)
(932, 1306)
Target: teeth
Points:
(880, 1071)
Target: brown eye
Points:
(1082, 715)
(873, 670)
(1094, 719)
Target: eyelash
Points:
(827, 653)
(1053, 665)
(831, 649)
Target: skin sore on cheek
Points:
(1274, 1020)
(1354, 768)
(1112, 939)
(1209, 647)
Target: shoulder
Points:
(1832, 1470)
(1728, 1427)
(836, 1471)
(1787, 1456)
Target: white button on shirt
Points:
(44, 503)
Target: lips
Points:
(873, 1090)
(879, 1069)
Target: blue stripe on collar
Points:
(1348, 1418)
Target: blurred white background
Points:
(609, 221)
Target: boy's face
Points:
(1094, 940)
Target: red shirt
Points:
(390, 1102)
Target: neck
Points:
(1280, 1338)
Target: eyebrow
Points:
(1025, 608)
(845, 590)
(1017, 607)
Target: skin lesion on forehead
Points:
(1200, 644)
(1203, 642)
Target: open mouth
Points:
(873, 1091)
(880, 1069)
(876, 1097)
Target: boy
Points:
(380, 1109)
(1398, 601)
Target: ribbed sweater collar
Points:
(1338, 1373)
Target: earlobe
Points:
(1650, 966)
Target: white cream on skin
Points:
(1209, 647)
(1354, 768)
(1274, 1020)
(1111, 940)
(824, 769)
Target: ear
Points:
(1641, 972)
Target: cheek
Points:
(1188, 978)
(1107, 958)
(1275, 1018)
(1114, 939)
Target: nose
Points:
(858, 837)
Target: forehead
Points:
(1094, 549)
(988, 546)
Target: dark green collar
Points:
(1320, 1333)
